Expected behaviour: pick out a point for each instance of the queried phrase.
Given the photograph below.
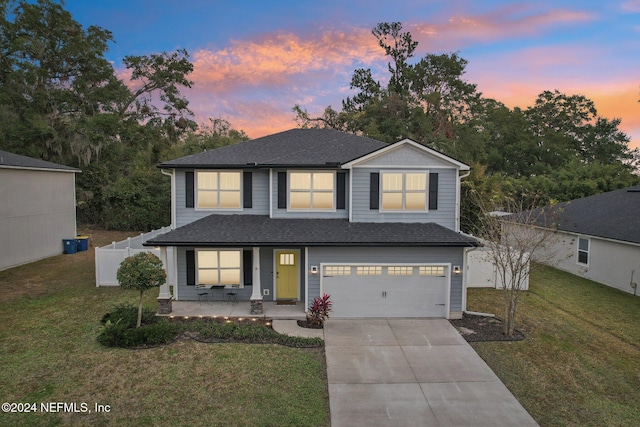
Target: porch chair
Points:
(203, 293)
(232, 294)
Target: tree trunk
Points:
(139, 311)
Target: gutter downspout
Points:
(173, 196)
(460, 178)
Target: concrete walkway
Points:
(412, 372)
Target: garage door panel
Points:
(388, 295)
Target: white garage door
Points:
(387, 290)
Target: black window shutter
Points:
(188, 189)
(374, 190)
(341, 192)
(433, 191)
(247, 267)
(282, 190)
(191, 268)
(247, 189)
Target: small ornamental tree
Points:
(142, 271)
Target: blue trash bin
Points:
(82, 243)
(70, 246)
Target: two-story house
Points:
(304, 212)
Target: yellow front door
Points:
(287, 275)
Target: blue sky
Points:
(253, 60)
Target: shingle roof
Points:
(10, 160)
(612, 215)
(241, 230)
(295, 147)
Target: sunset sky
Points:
(254, 60)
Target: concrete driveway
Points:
(412, 372)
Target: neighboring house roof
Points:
(239, 230)
(612, 215)
(16, 161)
(295, 147)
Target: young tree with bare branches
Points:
(515, 234)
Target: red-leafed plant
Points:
(319, 311)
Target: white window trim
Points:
(404, 172)
(218, 250)
(197, 192)
(588, 251)
(333, 202)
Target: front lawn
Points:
(580, 362)
(50, 313)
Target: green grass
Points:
(50, 312)
(580, 362)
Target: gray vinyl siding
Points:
(260, 193)
(284, 213)
(445, 215)
(407, 156)
(454, 256)
(37, 211)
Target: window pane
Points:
(207, 259)
(287, 259)
(230, 180)
(229, 259)
(323, 181)
(300, 200)
(208, 277)
(583, 257)
(583, 244)
(230, 199)
(392, 201)
(323, 200)
(373, 270)
(230, 276)
(400, 270)
(415, 201)
(300, 181)
(207, 180)
(416, 181)
(392, 182)
(208, 199)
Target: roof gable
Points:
(16, 161)
(295, 147)
(407, 153)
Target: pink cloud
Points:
(631, 6)
(511, 21)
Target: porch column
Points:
(256, 293)
(164, 298)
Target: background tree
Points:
(556, 150)
(141, 272)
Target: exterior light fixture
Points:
(314, 269)
(456, 269)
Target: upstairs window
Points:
(311, 190)
(404, 191)
(218, 190)
(583, 251)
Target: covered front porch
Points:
(271, 309)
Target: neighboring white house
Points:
(598, 238)
(37, 208)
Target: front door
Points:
(287, 274)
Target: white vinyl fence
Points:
(482, 272)
(108, 258)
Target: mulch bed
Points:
(482, 328)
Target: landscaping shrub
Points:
(127, 314)
(119, 328)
